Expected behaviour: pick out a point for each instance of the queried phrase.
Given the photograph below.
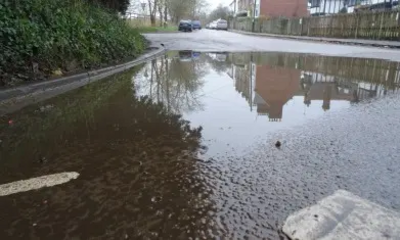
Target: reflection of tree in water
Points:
(174, 82)
(138, 177)
(219, 62)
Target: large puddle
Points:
(163, 150)
(239, 98)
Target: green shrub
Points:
(52, 34)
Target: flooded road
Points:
(183, 147)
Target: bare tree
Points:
(191, 9)
(174, 10)
(165, 12)
(220, 12)
(161, 5)
(197, 7)
(153, 11)
(175, 82)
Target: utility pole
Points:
(254, 15)
(234, 14)
(251, 82)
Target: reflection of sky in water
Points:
(239, 101)
(228, 121)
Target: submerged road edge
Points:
(343, 215)
(19, 97)
(37, 183)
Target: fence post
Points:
(397, 25)
(342, 23)
(355, 34)
(301, 22)
(380, 26)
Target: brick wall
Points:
(276, 86)
(283, 8)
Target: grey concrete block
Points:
(343, 216)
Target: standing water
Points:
(183, 147)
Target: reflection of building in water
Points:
(269, 88)
(266, 88)
(241, 74)
(274, 86)
(317, 86)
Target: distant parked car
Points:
(222, 24)
(213, 25)
(185, 26)
(186, 56)
(196, 25)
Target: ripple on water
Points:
(255, 193)
(149, 171)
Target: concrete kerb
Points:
(343, 215)
(324, 40)
(16, 98)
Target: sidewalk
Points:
(361, 42)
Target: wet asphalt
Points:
(211, 40)
(183, 147)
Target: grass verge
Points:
(46, 38)
(157, 29)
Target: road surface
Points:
(211, 40)
(148, 171)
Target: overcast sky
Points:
(215, 3)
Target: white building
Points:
(334, 6)
(326, 6)
(233, 7)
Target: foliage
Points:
(120, 6)
(66, 112)
(44, 127)
(220, 12)
(52, 34)
(343, 10)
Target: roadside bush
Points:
(41, 36)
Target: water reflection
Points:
(145, 172)
(138, 172)
(174, 80)
(269, 81)
(251, 94)
(219, 62)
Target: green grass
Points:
(144, 26)
(150, 29)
